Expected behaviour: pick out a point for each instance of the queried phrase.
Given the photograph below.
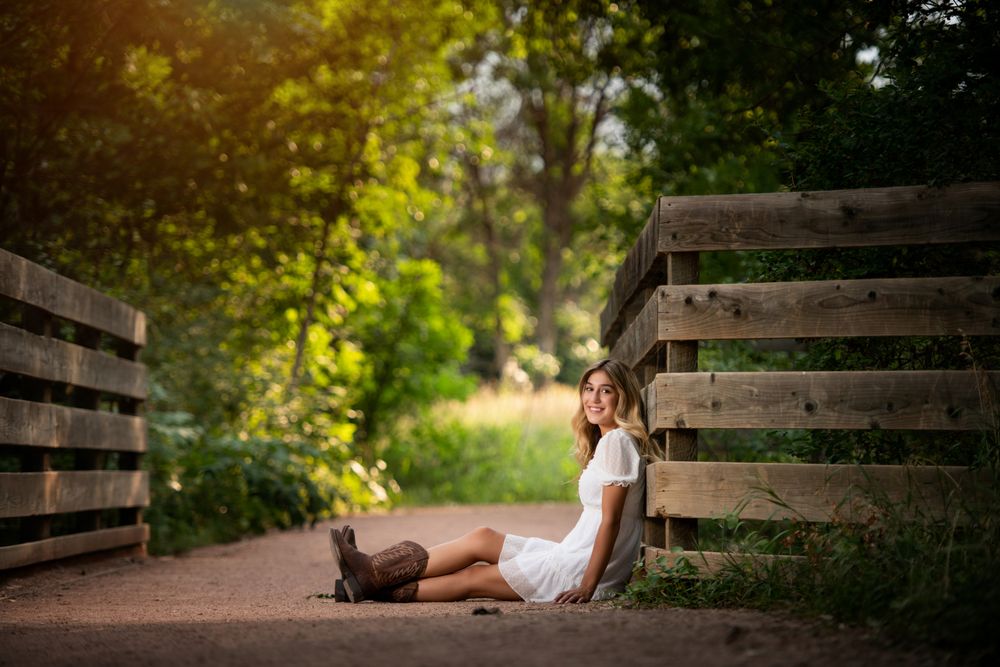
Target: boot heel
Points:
(339, 592)
(353, 588)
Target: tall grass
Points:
(921, 581)
(496, 447)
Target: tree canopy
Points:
(336, 213)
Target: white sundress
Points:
(538, 570)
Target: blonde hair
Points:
(629, 414)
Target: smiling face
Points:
(600, 399)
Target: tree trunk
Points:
(300, 340)
(548, 299)
(566, 169)
(558, 223)
(501, 350)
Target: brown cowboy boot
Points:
(364, 576)
(403, 593)
(339, 592)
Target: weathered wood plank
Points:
(641, 336)
(910, 215)
(47, 425)
(65, 546)
(968, 212)
(809, 492)
(29, 283)
(59, 361)
(713, 562)
(643, 267)
(32, 493)
(827, 308)
(919, 400)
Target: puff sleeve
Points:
(616, 459)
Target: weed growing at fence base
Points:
(920, 581)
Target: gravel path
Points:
(255, 603)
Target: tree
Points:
(928, 121)
(550, 72)
(364, 87)
(249, 174)
(727, 83)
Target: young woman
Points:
(592, 562)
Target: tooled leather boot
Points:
(403, 593)
(365, 576)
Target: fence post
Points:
(88, 459)
(681, 357)
(37, 321)
(654, 532)
(130, 516)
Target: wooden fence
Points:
(71, 439)
(658, 312)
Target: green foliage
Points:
(931, 119)
(721, 94)
(922, 580)
(496, 448)
(412, 346)
(738, 585)
(255, 176)
(208, 489)
(547, 79)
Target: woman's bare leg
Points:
(476, 581)
(481, 544)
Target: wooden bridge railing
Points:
(657, 312)
(70, 435)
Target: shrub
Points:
(209, 489)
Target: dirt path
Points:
(253, 603)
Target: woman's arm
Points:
(612, 505)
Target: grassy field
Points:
(496, 447)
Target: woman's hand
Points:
(578, 594)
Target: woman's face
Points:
(600, 399)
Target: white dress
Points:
(538, 570)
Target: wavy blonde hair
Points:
(629, 414)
